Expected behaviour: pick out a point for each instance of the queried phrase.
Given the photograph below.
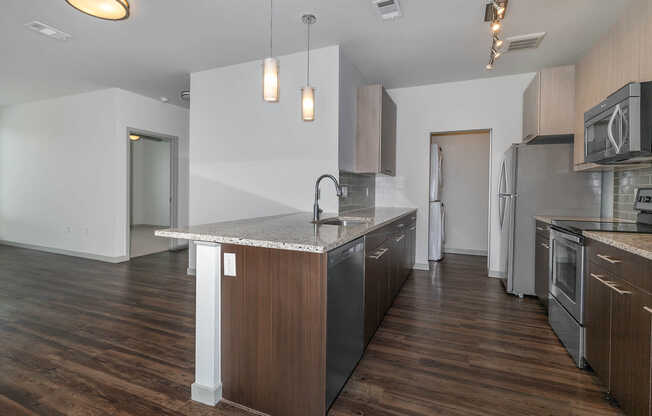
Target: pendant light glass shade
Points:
(271, 85)
(103, 9)
(308, 103)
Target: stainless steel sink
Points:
(343, 221)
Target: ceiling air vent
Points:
(388, 9)
(47, 30)
(516, 43)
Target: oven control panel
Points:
(643, 200)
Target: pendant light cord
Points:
(271, 28)
(308, 72)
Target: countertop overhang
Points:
(290, 231)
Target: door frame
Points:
(490, 132)
(173, 141)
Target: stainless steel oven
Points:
(618, 129)
(567, 271)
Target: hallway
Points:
(83, 337)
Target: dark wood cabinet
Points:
(597, 322)
(618, 322)
(390, 257)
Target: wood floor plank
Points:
(79, 337)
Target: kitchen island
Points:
(263, 301)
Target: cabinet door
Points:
(531, 109)
(639, 353)
(625, 35)
(388, 135)
(542, 268)
(645, 52)
(597, 321)
(621, 330)
(372, 287)
(557, 106)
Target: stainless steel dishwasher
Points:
(344, 315)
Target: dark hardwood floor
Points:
(79, 337)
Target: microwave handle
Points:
(610, 129)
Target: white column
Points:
(207, 388)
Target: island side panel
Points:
(274, 331)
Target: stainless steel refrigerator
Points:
(538, 180)
(436, 208)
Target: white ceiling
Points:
(163, 41)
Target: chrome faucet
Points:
(315, 208)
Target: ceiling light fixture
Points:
(494, 14)
(102, 9)
(308, 92)
(271, 66)
(134, 137)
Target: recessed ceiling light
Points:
(102, 9)
(164, 99)
(47, 30)
(134, 137)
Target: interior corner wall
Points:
(490, 103)
(63, 169)
(249, 158)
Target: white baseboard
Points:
(497, 274)
(63, 252)
(206, 395)
(421, 266)
(468, 252)
(191, 272)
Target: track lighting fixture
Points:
(494, 14)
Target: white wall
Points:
(492, 103)
(150, 186)
(249, 158)
(63, 169)
(464, 191)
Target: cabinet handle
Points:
(541, 229)
(599, 277)
(378, 254)
(413, 228)
(609, 259)
(400, 225)
(648, 310)
(619, 291)
(398, 240)
(545, 245)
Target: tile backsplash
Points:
(360, 191)
(625, 184)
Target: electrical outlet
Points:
(229, 264)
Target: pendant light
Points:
(102, 9)
(271, 81)
(308, 92)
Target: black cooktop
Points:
(577, 227)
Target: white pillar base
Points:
(207, 388)
(206, 395)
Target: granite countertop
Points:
(291, 231)
(639, 244)
(548, 219)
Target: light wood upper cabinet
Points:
(549, 103)
(622, 56)
(375, 131)
(645, 45)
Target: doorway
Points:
(152, 191)
(463, 192)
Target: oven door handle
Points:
(610, 134)
(565, 236)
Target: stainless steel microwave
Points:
(619, 129)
